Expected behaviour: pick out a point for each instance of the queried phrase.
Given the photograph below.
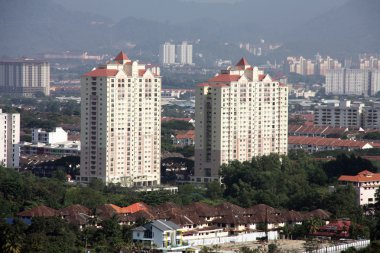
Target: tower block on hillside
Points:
(120, 123)
(240, 113)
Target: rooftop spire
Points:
(242, 62)
(121, 57)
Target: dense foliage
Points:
(296, 181)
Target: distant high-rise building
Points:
(121, 123)
(9, 135)
(24, 77)
(167, 53)
(351, 82)
(328, 64)
(185, 53)
(239, 113)
(370, 63)
(317, 66)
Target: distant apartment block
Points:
(167, 53)
(121, 123)
(171, 54)
(9, 135)
(317, 66)
(343, 114)
(185, 53)
(24, 77)
(359, 82)
(240, 113)
(370, 63)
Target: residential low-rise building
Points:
(317, 144)
(184, 138)
(58, 135)
(65, 148)
(316, 131)
(161, 233)
(366, 183)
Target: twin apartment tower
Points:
(240, 113)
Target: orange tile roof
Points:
(102, 72)
(136, 207)
(225, 78)
(329, 142)
(364, 176)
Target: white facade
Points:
(24, 77)
(120, 123)
(240, 113)
(9, 135)
(167, 53)
(58, 135)
(344, 114)
(185, 53)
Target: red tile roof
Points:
(225, 78)
(315, 130)
(102, 72)
(242, 62)
(190, 134)
(142, 72)
(364, 176)
(261, 77)
(327, 142)
(121, 57)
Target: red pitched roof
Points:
(225, 78)
(102, 72)
(261, 77)
(364, 176)
(242, 62)
(39, 211)
(328, 142)
(190, 134)
(142, 72)
(121, 57)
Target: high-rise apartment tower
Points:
(240, 113)
(9, 135)
(120, 123)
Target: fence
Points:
(338, 248)
(250, 237)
